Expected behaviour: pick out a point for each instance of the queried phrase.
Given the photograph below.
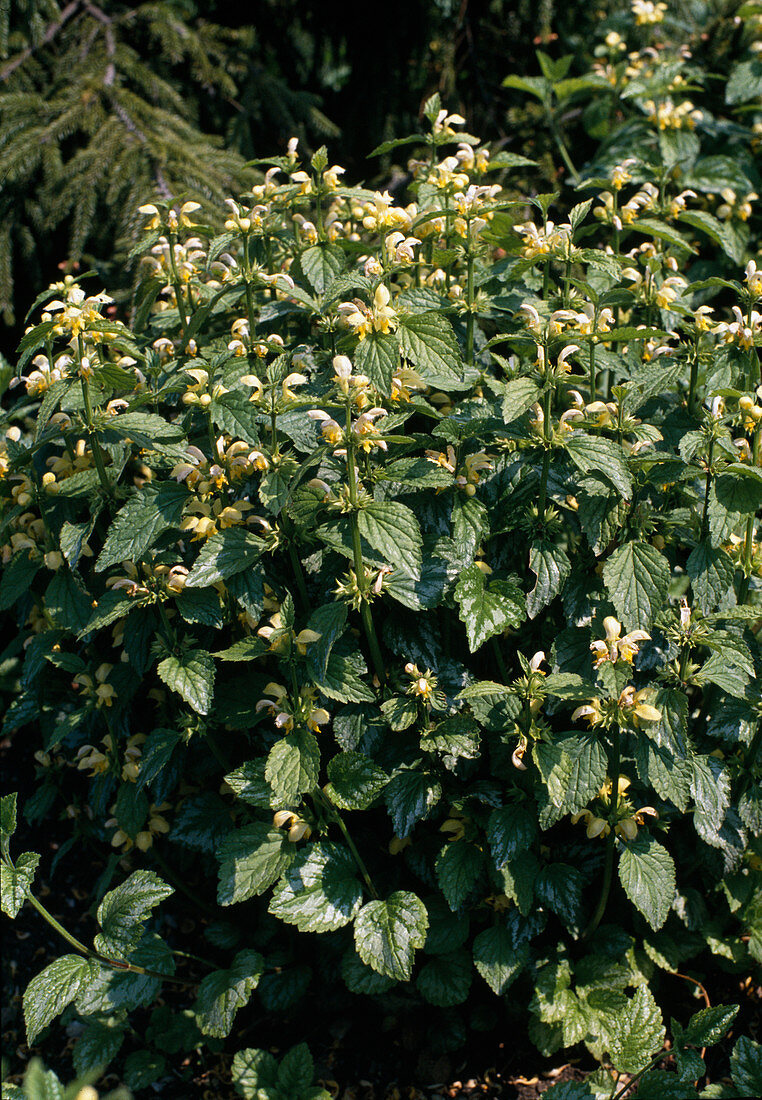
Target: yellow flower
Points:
(90, 757)
(298, 828)
(647, 13)
(616, 648)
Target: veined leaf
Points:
(637, 578)
(428, 342)
(224, 554)
(52, 990)
(496, 958)
(552, 567)
(223, 992)
(251, 860)
(191, 675)
(458, 869)
(320, 891)
(16, 881)
(388, 933)
(392, 530)
(293, 765)
(647, 874)
(446, 979)
(141, 521)
(595, 454)
(637, 1032)
(124, 911)
(378, 357)
(487, 610)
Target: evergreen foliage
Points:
(105, 106)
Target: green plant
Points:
(469, 636)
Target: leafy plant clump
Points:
(394, 569)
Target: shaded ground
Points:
(358, 1057)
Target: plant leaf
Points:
(647, 874)
(388, 933)
(320, 891)
(223, 992)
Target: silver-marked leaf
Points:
(496, 958)
(487, 610)
(52, 990)
(223, 992)
(637, 578)
(392, 531)
(637, 1032)
(255, 1074)
(647, 874)
(320, 891)
(191, 675)
(251, 860)
(388, 933)
(124, 911)
(293, 765)
(15, 882)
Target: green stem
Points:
(592, 371)
(626, 1087)
(113, 964)
(168, 628)
(247, 276)
(196, 958)
(547, 437)
(365, 613)
(567, 281)
(71, 940)
(615, 215)
(565, 155)
(177, 287)
(469, 302)
(296, 565)
(613, 752)
(694, 376)
(100, 465)
(705, 516)
(273, 423)
(336, 816)
(447, 240)
(748, 548)
(319, 218)
(600, 909)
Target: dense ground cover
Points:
(386, 583)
